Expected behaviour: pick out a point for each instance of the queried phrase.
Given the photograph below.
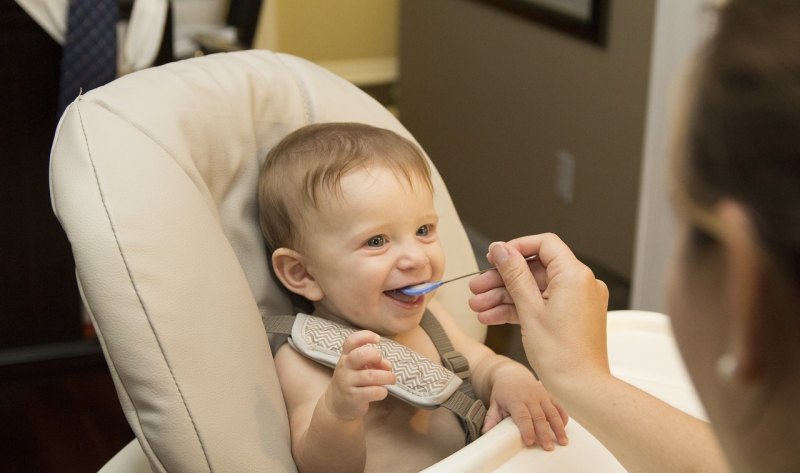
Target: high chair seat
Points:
(153, 178)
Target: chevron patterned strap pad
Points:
(420, 381)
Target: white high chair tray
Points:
(642, 351)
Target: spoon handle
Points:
(528, 258)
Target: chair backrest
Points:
(153, 178)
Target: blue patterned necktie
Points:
(89, 57)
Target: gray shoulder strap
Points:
(468, 407)
(278, 328)
(279, 324)
(452, 359)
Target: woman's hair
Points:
(307, 166)
(743, 133)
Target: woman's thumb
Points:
(516, 275)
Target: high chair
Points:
(153, 178)
(154, 181)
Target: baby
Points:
(348, 215)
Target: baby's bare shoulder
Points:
(301, 379)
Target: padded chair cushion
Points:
(153, 178)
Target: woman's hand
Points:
(561, 309)
(555, 298)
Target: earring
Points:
(728, 367)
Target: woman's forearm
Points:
(644, 433)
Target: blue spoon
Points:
(424, 288)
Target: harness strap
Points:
(279, 324)
(462, 402)
(467, 406)
(470, 411)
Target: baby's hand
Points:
(359, 378)
(515, 391)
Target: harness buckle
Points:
(474, 420)
(457, 363)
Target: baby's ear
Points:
(290, 268)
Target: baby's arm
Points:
(326, 413)
(515, 392)
(507, 388)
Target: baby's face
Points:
(378, 236)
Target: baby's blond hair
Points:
(307, 166)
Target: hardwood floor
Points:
(59, 416)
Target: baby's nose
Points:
(413, 256)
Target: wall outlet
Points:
(565, 176)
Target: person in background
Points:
(734, 291)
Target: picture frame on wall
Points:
(585, 19)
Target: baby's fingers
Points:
(542, 428)
(359, 339)
(373, 377)
(557, 419)
(493, 417)
(562, 413)
(524, 422)
(361, 350)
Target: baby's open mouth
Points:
(398, 295)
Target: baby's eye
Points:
(376, 242)
(423, 230)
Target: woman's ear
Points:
(291, 270)
(744, 281)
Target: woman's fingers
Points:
(556, 298)
(520, 283)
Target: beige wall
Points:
(492, 97)
(330, 30)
